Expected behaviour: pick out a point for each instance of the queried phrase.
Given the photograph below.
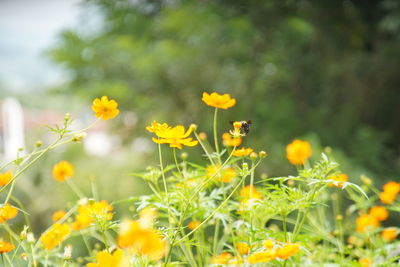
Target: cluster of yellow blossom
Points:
(92, 212)
(5, 178)
(298, 151)
(390, 191)
(248, 196)
(225, 175)
(55, 235)
(62, 171)
(270, 251)
(174, 136)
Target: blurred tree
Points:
(325, 67)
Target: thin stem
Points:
(75, 188)
(216, 135)
(104, 239)
(164, 181)
(177, 164)
(204, 148)
(216, 234)
(300, 225)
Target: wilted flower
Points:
(55, 235)
(298, 152)
(63, 170)
(105, 109)
(5, 178)
(106, 259)
(219, 101)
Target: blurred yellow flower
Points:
(193, 224)
(225, 175)
(55, 235)
(242, 152)
(389, 234)
(5, 178)
(242, 248)
(366, 221)
(228, 140)
(92, 212)
(219, 101)
(58, 215)
(340, 178)
(262, 256)
(63, 170)
(298, 152)
(379, 213)
(250, 191)
(5, 247)
(287, 250)
(269, 243)
(390, 191)
(174, 136)
(364, 262)
(105, 109)
(222, 258)
(142, 241)
(7, 212)
(106, 259)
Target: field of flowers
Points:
(219, 212)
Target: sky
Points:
(28, 28)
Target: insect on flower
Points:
(244, 126)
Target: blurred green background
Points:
(323, 71)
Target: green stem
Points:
(104, 239)
(216, 234)
(204, 148)
(300, 225)
(75, 189)
(216, 135)
(177, 164)
(164, 181)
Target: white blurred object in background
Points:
(98, 143)
(13, 127)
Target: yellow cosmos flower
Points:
(242, 248)
(106, 259)
(219, 101)
(390, 191)
(55, 235)
(92, 212)
(379, 213)
(287, 250)
(340, 178)
(222, 258)
(242, 152)
(262, 256)
(228, 140)
(225, 175)
(366, 221)
(193, 224)
(7, 212)
(5, 178)
(63, 171)
(365, 262)
(142, 241)
(389, 234)
(105, 109)
(58, 215)
(5, 247)
(269, 243)
(174, 136)
(250, 191)
(298, 152)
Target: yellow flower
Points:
(365, 262)
(142, 241)
(390, 191)
(269, 243)
(225, 175)
(58, 215)
(389, 234)
(262, 256)
(105, 109)
(242, 152)
(228, 140)
(219, 101)
(63, 171)
(222, 258)
(174, 136)
(340, 178)
(106, 259)
(55, 235)
(92, 212)
(5, 247)
(366, 221)
(298, 152)
(5, 178)
(379, 213)
(287, 250)
(250, 191)
(7, 212)
(242, 248)
(193, 224)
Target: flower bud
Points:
(339, 217)
(30, 238)
(253, 155)
(184, 155)
(366, 180)
(193, 126)
(67, 117)
(78, 137)
(262, 154)
(245, 167)
(67, 252)
(202, 136)
(38, 144)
